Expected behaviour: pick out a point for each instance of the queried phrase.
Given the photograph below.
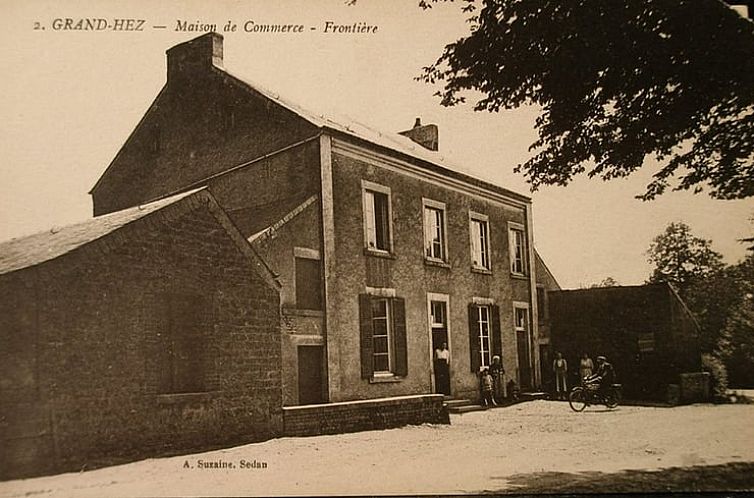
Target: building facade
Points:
(146, 332)
(383, 250)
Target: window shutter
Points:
(495, 331)
(474, 338)
(399, 336)
(365, 321)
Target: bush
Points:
(718, 376)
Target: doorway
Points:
(438, 315)
(521, 324)
(310, 375)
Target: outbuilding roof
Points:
(23, 252)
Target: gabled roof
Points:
(391, 141)
(25, 252)
(31, 250)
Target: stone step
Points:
(457, 402)
(533, 396)
(466, 409)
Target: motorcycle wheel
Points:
(612, 400)
(577, 399)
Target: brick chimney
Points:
(425, 135)
(198, 54)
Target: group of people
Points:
(602, 377)
(492, 387)
(492, 382)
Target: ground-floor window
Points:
(484, 334)
(383, 336)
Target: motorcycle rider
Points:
(604, 376)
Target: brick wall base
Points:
(354, 416)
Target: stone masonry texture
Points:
(81, 388)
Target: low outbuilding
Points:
(144, 332)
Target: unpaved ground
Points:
(496, 450)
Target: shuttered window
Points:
(383, 336)
(484, 335)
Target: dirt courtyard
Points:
(539, 446)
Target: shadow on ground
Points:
(738, 476)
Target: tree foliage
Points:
(681, 259)
(721, 297)
(617, 82)
(736, 345)
(605, 282)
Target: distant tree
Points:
(680, 258)
(736, 345)
(712, 299)
(617, 82)
(605, 282)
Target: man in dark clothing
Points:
(604, 376)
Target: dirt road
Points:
(540, 445)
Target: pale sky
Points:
(69, 99)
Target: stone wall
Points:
(83, 387)
(354, 416)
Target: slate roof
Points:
(24, 252)
(392, 141)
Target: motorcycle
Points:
(587, 394)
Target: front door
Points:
(522, 345)
(440, 347)
(310, 375)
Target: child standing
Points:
(485, 382)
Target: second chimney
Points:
(425, 135)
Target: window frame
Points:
(429, 204)
(371, 187)
(389, 333)
(481, 336)
(513, 229)
(397, 340)
(480, 218)
(311, 255)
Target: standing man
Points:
(560, 368)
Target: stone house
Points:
(147, 331)
(384, 250)
(645, 331)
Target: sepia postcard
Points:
(248, 249)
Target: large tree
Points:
(680, 258)
(618, 81)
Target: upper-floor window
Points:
(377, 217)
(517, 241)
(308, 280)
(480, 241)
(435, 246)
